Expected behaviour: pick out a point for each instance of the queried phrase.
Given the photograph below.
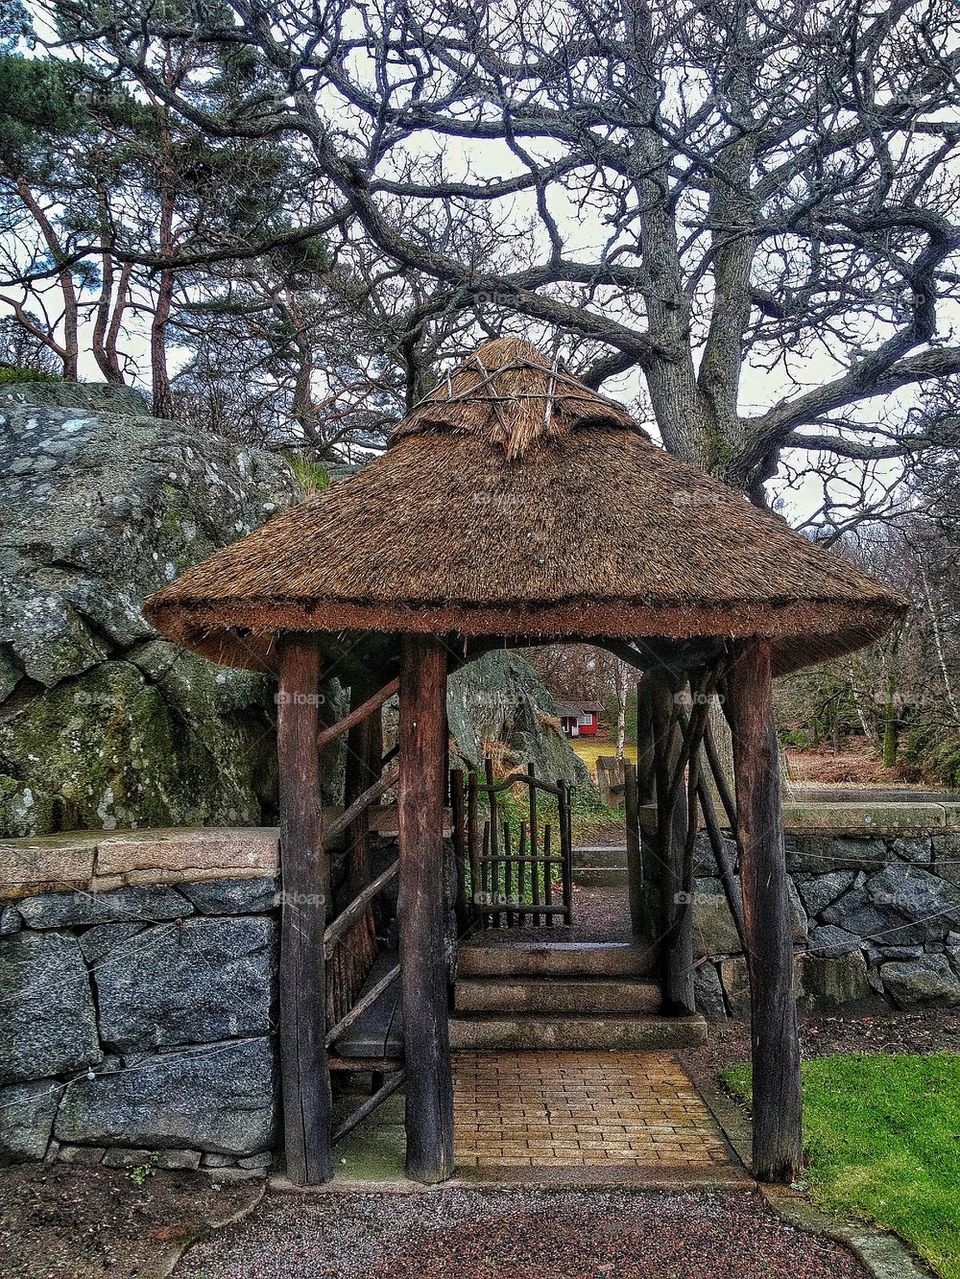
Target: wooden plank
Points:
(725, 866)
(634, 863)
(378, 1034)
(328, 735)
(536, 893)
(386, 1089)
(677, 919)
(362, 1065)
(459, 847)
(777, 1105)
(509, 861)
(305, 1074)
(363, 768)
(719, 780)
(548, 878)
(495, 788)
(566, 850)
(426, 1037)
(476, 885)
(493, 870)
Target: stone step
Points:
(600, 876)
(539, 1033)
(594, 996)
(490, 956)
(600, 856)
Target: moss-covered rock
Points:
(500, 699)
(101, 723)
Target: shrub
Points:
(11, 375)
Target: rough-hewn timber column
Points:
(676, 893)
(423, 740)
(777, 1106)
(305, 881)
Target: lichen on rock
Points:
(102, 724)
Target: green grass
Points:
(313, 476)
(588, 748)
(883, 1138)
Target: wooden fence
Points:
(511, 877)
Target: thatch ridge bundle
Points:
(510, 395)
(515, 503)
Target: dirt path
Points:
(64, 1222)
(518, 1234)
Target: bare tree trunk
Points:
(111, 305)
(69, 349)
(622, 686)
(938, 640)
(162, 396)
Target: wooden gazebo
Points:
(470, 532)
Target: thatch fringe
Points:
(515, 503)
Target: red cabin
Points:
(579, 719)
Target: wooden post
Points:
(426, 1039)
(675, 892)
(458, 823)
(634, 863)
(777, 1106)
(364, 752)
(305, 882)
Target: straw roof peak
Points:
(510, 395)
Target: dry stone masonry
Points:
(875, 892)
(138, 972)
(138, 1018)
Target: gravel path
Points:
(521, 1234)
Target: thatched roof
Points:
(514, 502)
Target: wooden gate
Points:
(512, 875)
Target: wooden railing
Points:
(349, 940)
(511, 878)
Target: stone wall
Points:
(138, 982)
(875, 891)
(138, 972)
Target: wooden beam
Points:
(422, 907)
(305, 881)
(377, 1098)
(366, 708)
(777, 1105)
(349, 815)
(358, 907)
(634, 863)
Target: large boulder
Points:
(104, 725)
(500, 699)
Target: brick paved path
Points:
(581, 1109)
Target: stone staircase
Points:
(515, 993)
(600, 866)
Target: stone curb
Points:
(882, 1253)
(179, 1250)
